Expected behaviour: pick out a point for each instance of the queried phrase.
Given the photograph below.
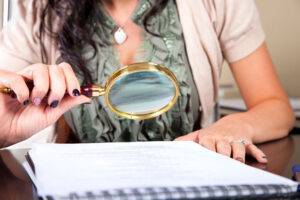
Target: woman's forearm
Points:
(269, 120)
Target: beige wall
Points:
(281, 21)
(1, 12)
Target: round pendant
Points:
(120, 36)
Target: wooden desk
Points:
(282, 155)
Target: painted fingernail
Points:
(54, 104)
(13, 95)
(37, 101)
(26, 102)
(265, 158)
(76, 93)
(240, 159)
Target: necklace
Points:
(119, 34)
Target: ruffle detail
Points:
(96, 123)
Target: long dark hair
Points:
(77, 21)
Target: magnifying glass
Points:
(137, 91)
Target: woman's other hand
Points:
(228, 138)
(26, 112)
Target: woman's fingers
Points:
(53, 80)
(223, 147)
(66, 104)
(40, 76)
(256, 153)
(17, 84)
(236, 148)
(208, 143)
(72, 84)
(41, 85)
(238, 151)
(189, 137)
(57, 85)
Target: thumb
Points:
(189, 137)
(70, 102)
(66, 104)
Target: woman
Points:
(82, 42)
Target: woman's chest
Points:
(128, 49)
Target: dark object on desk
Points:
(295, 131)
(296, 174)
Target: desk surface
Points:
(282, 155)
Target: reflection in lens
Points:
(142, 92)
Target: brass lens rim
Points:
(139, 67)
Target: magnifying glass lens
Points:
(141, 92)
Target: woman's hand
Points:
(24, 113)
(228, 138)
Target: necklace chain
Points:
(119, 34)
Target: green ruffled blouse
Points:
(96, 123)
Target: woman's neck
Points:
(120, 8)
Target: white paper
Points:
(61, 169)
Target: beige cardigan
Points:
(214, 30)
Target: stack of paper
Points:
(157, 170)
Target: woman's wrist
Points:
(5, 141)
(5, 136)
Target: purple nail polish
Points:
(13, 95)
(37, 101)
(265, 158)
(54, 104)
(76, 93)
(26, 102)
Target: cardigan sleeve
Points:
(238, 26)
(20, 47)
(19, 42)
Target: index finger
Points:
(189, 137)
(39, 74)
(16, 83)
